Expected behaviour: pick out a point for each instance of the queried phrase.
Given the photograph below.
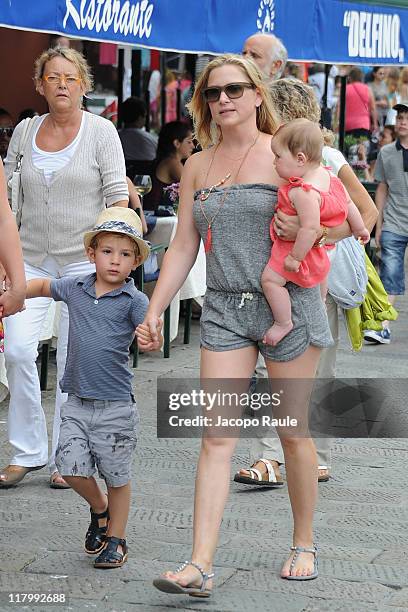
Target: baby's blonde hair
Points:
(302, 136)
(266, 119)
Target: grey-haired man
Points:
(268, 52)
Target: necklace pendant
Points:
(208, 240)
(204, 195)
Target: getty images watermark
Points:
(224, 407)
(216, 403)
(338, 408)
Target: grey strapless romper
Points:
(235, 312)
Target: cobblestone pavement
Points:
(361, 521)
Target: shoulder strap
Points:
(366, 106)
(15, 188)
(23, 140)
(296, 181)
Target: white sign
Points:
(373, 35)
(126, 18)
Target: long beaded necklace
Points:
(206, 192)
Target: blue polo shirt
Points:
(100, 333)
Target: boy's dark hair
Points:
(133, 109)
(95, 241)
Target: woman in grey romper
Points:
(228, 193)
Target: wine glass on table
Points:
(143, 184)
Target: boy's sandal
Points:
(323, 477)
(110, 557)
(96, 536)
(170, 586)
(302, 549)
(256, 477)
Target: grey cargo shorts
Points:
(97, 434)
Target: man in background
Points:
(268, 52)
(136, 142)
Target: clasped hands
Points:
(11, 299)
(148, 333)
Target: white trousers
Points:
(27, 427)
(271, 448)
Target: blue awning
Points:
(331, 31)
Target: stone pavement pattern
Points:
(361, 521)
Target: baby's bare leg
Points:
(277, 296)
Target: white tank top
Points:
(50, 162)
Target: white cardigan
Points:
(55, 216)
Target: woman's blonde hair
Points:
(199, 109)
(294, 99)
(72, 56)
(302, 135)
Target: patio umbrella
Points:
(330, 31)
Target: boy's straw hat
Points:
(119, 220)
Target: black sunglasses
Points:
(232, 90)
(6, 131)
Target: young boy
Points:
(99, 419)
(391, 232)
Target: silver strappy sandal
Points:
(170, 586)
(300, 549)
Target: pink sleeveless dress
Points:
(333, 211)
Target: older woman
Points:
(72, 168)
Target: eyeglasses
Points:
(6, 131)
(53, 79)
(232, 90)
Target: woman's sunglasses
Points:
(232, 90)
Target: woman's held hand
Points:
(149, 336)
(11, 302)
